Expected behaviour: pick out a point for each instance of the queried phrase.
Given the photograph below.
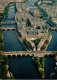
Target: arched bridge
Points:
(7, 22)
(7, 28)
(30, 53)
(54, 28)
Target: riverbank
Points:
(21, 41)
(24, 68)
(50, 37)
(40, 65)
(1, 41)
(4, 71)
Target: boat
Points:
(56, 63)
(55, 68)
(52, 74)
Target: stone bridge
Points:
(54, 28)
(7, 28)
(31, 7)
(30, 53)
(7, 22)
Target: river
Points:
(22, 68)
(11, 41)
(49, 61)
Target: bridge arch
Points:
(19, 56)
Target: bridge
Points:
(7, 22)
(7, 28)
(31, 7)
(53, 28)
(30, 53)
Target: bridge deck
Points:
(38, 53)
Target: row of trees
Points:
(3, 68)
(43, 47)
(27, 44)
(40, 65)
(28, 23)
(44, 13)
(15, 7)
(36, 42)
(1, 41)
(5, 12)
(6, 9)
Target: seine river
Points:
(23, 67)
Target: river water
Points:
(11, 41)
(22, 68)
(53, 44)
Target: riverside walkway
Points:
(30, 53)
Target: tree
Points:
(28, 23)
(43, 62)
(43, 47)
(49, 29)
(36, 41)
(50, 18)
(4, 68)
(5, 60)
(42, 73)
(36, 59)
(38, 64)
(47, 41)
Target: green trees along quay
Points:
(40, 65)
(3, 67)
(1, 41)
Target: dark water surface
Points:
(53, 44)
(23, 68)
(11, 42)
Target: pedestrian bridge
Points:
(30, 53)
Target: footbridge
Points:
(7, 28)
(30, 53)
